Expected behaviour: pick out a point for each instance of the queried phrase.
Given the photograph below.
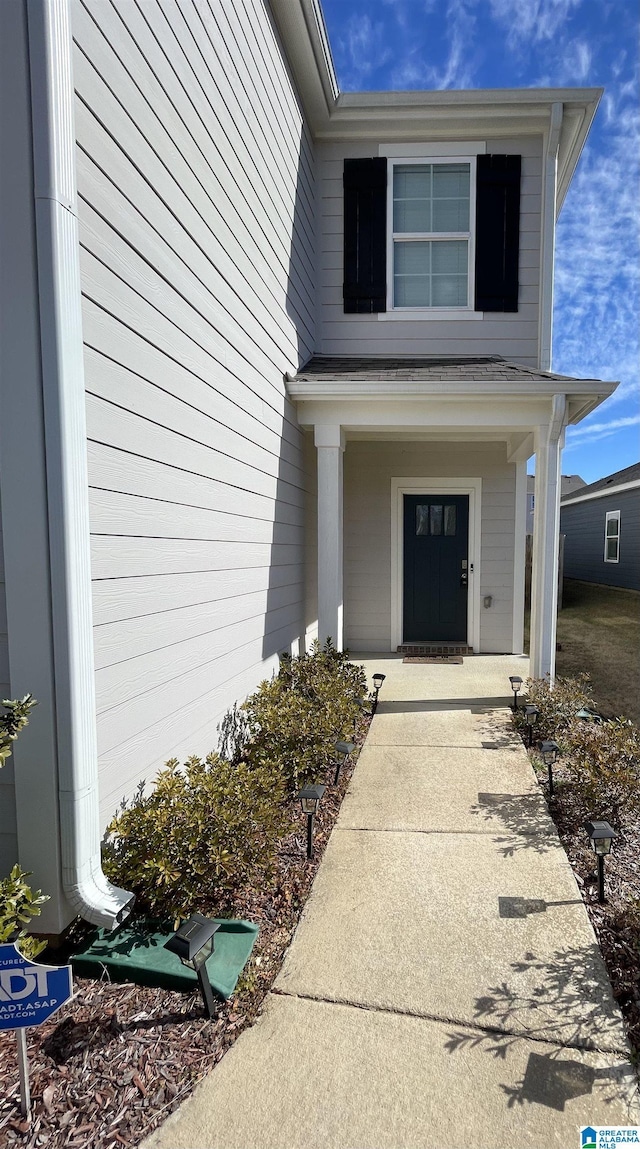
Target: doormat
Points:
(437, 658)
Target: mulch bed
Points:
(616, 922)
(113, 1064)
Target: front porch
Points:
(453, 435)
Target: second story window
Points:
(431, 236)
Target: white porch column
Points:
(330, 442)
(546, 527)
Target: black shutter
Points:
(497, 232)
(365, 235)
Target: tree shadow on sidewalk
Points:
(525, 818)
(569, 1004)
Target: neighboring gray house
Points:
(273, 361)
(601, 525)
(568, 484)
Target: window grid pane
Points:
(430, 273)
(450, 520)
(431, 197)
(435, 519)
(422, 520)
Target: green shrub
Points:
(603, 763)
(18, 905)
(297, 717)
(12, 723)
(558, 706)
(201, 832)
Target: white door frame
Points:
(435, 486)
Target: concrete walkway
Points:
(420, 1006)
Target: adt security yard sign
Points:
(30, 993)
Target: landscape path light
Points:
(531, 714)
(550, 752)
(362, 705)
(193, 943)
(516, 685)
(343, 750)
(378, 679)
(601, 835)
(309, 798)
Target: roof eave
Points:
(460, 114)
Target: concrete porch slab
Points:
(314, 1076)
(481, 676)
(473, 791)
(410, 922)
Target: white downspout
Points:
(59, 290)
(549, 235)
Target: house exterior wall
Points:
(583, 525)
(196, 184)
(369, 469)
(514, 336)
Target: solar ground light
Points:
(343, 750)
(193, 944)
(516, 685)
(549, 752)
(601, 835)
(531, 717)
(310, 798)
(378, 679)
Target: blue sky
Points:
(400, 44)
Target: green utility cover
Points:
(136, 953)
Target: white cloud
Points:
(591, 432)
(531, 21)
(598, 258)
(457, 69)
(362, 49)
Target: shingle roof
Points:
(326, 368)
(626, 475)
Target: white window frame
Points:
(612, 516)
(464, 312)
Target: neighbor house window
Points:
(431, 208)
(612, 537)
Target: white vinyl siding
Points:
(196, 185)
(369, 468)
(513, 335)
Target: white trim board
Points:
(630, 486)
(436, 486)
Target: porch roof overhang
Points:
(429, 398)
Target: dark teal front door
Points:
(436, 555)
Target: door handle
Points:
(464, 581)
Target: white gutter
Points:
(549, 235)
(50, 47)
